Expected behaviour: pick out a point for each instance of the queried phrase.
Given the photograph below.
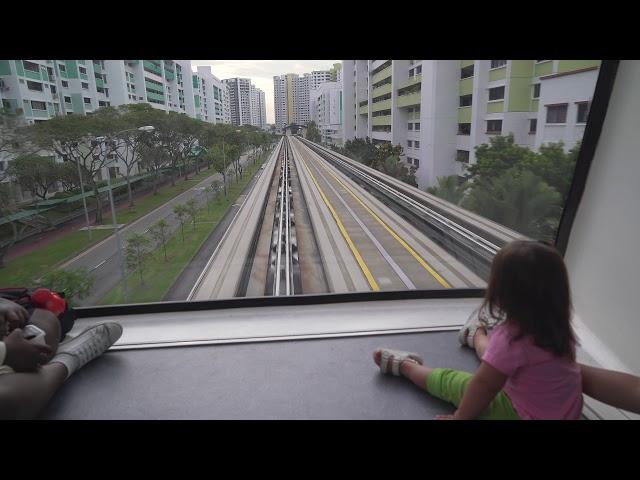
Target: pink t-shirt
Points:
(541, 385)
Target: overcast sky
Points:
(261, 72)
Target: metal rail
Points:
(283, 263)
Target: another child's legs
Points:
(24, 395)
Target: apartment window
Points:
(416, 126)
(65, 84)
(410, 143)
(37, 86)
(496, 93)
(462, 156)
(410, 126)
(411, 72)
(67, 99)
(35, 105)
(498, 63)
(557, 113)
(82, 70)
(85, 85)
(418, 69)
(494, 126)
(583, 112)
(32, 67)
(416, 162)
(466, 72)
(62, 68)
(87, 100)
(464, 129)
(416, 144)
(533, 125)
(53, 89)
(465, 100)
(536, 90)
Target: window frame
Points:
(493, 132)
(556, 105)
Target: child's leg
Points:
(24, 395)
(480, 341)
(449, 385)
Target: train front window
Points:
(211, 180)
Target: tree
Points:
(76, 284)
(72, 137)
(129, 141)
(313, 133)
(7, 209)
(68, 176)
(36, 174)
(154, 158)
(362, 151)
(394, 167)
(160, 233)
(137, 253)
(497, 157)
(215, 156)
(449, 188)
(554, 166)
(181, 213)
(215, 187)
(192, 211)
(519, 200)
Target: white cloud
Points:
(261, 73)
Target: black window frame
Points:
(469, 96)
(464, 75)
(465, 154)
(494, 64)
(493, 90)
(494, 132)
(41, 89)
(464, 131)
(533, 125)
(551, 109)
(536, 89)
(579, 106)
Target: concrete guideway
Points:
(220, 277)
(390, 252)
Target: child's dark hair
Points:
(529, 285)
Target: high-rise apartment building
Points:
(292, 96)
(243, 100)
(210, 96)
(463, 104)
(42, 89)
(326, 111)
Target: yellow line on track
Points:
(415, 255)
(354, 250)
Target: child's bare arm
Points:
(483, 387)
(618, 389)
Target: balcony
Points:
(466, 86)
(495, 107)
(364, 110)
(464, 114)
(32, 75)
(383, 105)
(381, 75)
(409, 100)
(498, 74)
(382, 120)
(383, 90)
(416, 79)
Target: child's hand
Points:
(23, 355)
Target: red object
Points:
(40, 297)
(56, 304)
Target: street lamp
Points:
(111, 143)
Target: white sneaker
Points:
(88, 345)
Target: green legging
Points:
(450, 385)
